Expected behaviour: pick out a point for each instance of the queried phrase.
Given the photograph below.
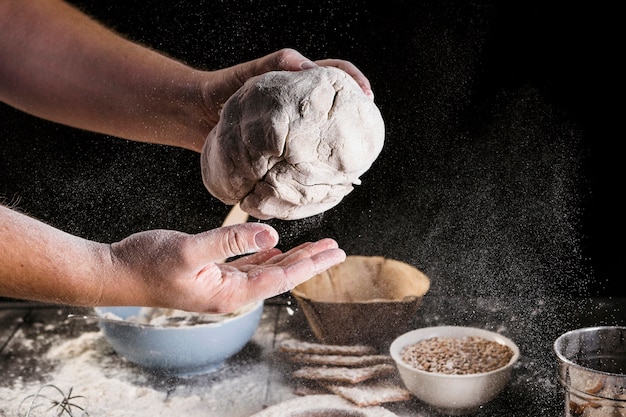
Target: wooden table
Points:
(259, 376)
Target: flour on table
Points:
(112, 387)
(290, 145)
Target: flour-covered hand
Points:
(182, 271)
(219, 85)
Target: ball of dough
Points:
(290, 145)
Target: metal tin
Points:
(592, 370)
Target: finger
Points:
(241, 285)
(290, 60)
(351, 70)
(256, 259)
(302, 251)
(284, 60)
(275, 257)
(236, 240)
(271, 280)
(249, 263)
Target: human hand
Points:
(178, 270)
(223, 83)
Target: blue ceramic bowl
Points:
(179, 351)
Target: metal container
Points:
(592, 370)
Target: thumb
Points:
(240, 239)
(286, 59)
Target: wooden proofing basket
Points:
(364, 300)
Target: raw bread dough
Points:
(291, 145)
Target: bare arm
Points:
(159, 268)
(59, 64)
(39, 262)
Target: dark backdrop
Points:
(500, 175)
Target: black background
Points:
(501, 170)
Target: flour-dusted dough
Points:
(291, 145)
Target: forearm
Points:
(60, 65)
(39, 262)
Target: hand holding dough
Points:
(292, 144)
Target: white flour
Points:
(112, 387)
(177, 318)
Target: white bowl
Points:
(453, 394)
(179, 351)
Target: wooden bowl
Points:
(364, 300)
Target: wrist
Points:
(120, 284)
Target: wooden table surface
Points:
(259, 376)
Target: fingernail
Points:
(367, 90)
(308, 65)
(264, 240)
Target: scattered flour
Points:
(177, 318)
(112, 387)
